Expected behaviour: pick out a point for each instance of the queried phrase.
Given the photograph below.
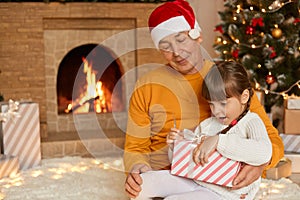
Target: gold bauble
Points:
(276, 32)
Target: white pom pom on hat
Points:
(173, 17)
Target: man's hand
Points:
(133, 181)
(247, 175)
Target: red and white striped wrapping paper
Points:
(291, 143)
(219, 170)
(21, 136)
(9, 166)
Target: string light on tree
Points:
(277, 5)
(284, 93)
(264, 37)
(218, 40)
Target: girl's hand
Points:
(204, 149)
(173, 135)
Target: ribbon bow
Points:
(297, 20)
(219, 28)
(193, 136)
(257, 21)
(11, 112)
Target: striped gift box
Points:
(219, 170)
(291, 143)
(21, 136)
(9, 166)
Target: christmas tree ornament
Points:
(276, 32)
(289, 20)
(281, 79)
(257, 22)
(270, 79)
(234, 32)
(291, 51)
(279, 59)
(273, 52)
(249, 30)
(297, 20)
(235, 53)
(219, 28)
(269, 64)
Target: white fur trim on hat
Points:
(173, 25)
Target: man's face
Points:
(182, 52)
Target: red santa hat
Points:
(173, 17)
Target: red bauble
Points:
(270, 79)
(249, 30)
(273, 52)
(235, 53)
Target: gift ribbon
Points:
(191, 136)
(11, 112)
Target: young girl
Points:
(233, 130)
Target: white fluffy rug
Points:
(96, 179)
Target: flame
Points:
(93, 98)
(100, 104)
(69, 108)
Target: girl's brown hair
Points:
(225, 80)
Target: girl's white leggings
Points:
(163, 184)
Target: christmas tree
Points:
(263, 35)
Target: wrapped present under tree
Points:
(21, 135)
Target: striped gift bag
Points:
(21, 136)
(291, 143)
(9, 166)
(219, 170)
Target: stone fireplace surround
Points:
(36, 39)
(37, 36)
(57, 43)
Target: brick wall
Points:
(22, 48)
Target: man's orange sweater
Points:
(164, 98)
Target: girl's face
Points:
(228, 110)
(182, 52)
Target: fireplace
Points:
(89, 80)
(75, 55)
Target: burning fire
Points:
(93, 98)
